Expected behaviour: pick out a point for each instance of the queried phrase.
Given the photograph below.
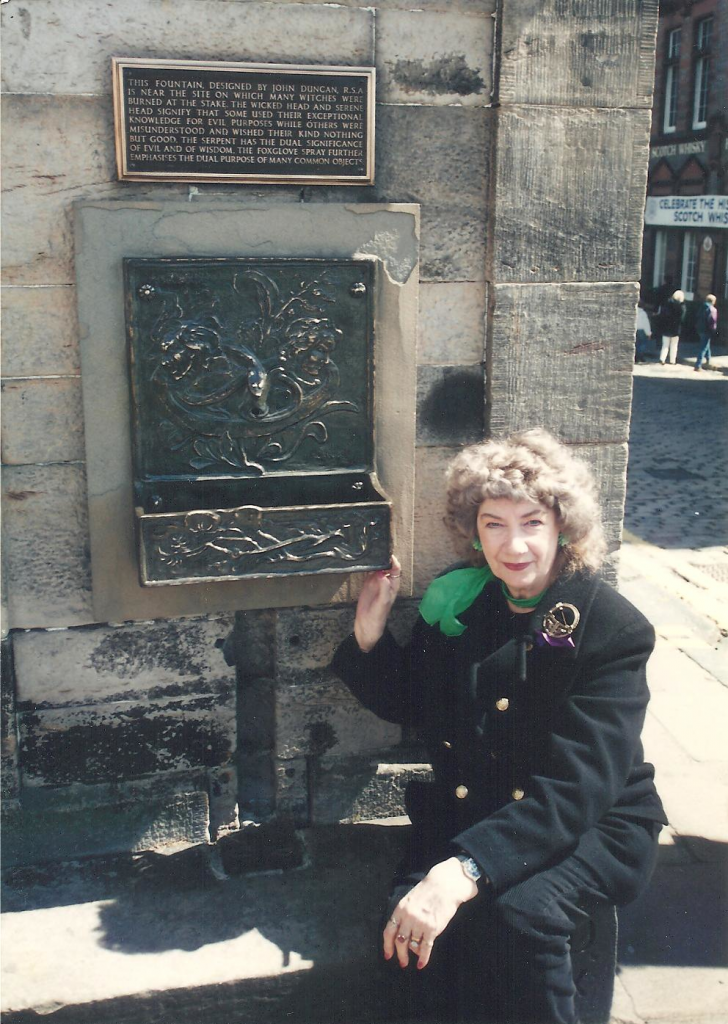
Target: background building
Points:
(686, 232)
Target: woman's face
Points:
(520, 542)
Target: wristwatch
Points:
(470, 868)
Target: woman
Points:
(671, 319)
(526, 676)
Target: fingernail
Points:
(387, 956)
(419, 965)
(403, 966)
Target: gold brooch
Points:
(561, 620)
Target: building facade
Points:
(686, 219)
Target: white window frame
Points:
(701, 82)
(700, 96)
(689, 273)
(673, 43)
(660, 259)
(669, 117)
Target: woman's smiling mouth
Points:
(516, 566)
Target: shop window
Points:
(658, 267)
(701, 82)
(672, 80)
(689, 264)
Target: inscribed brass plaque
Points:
(184, 120)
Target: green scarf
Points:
(449, 595)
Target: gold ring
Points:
(414, 942)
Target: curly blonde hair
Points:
(531, 465)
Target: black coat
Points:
(516, 786)
(671, 318)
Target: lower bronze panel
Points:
(227, 544)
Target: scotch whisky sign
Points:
(184, 120)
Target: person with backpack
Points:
(707, 324)
(670, 320)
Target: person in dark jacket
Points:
(525, 674)
(706, 322)
(671, 318)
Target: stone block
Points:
(559, 362)
(586, 55)
(361, 789)
(291, 776)
(57, 148)
(452, 323)
(306, 639)
(42, 420)
(40, 331)
(466, 6)
(132, 662)
(609, 465)
(9, 777)
(450, 405)
(223, 795)
(570, 194)
(439, 157)
(250, 647)
(91, 820)
(46, 553)
(66, 46)
(256, 715)
(257, 785)
(433, 547)
(128, 739)
(315, 719)
(434, 58)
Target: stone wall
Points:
(126, 735)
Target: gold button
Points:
(461, 792)
(518, 794)
(447, 744)
(502, 704)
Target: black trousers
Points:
(506, 958)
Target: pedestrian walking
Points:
(671, 317)
(526, 674)
(643, 333)
(706, 322)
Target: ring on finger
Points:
(415, 942)
(394, 921)
(401, 938)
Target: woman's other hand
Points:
(425, 912)
(375, 603)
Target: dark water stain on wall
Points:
(448, 74)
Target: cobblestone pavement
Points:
(677, 483)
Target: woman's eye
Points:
(492, 526)
(535, 522)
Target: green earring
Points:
(477, 546)
(563, 541)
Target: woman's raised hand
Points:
(375, 603)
